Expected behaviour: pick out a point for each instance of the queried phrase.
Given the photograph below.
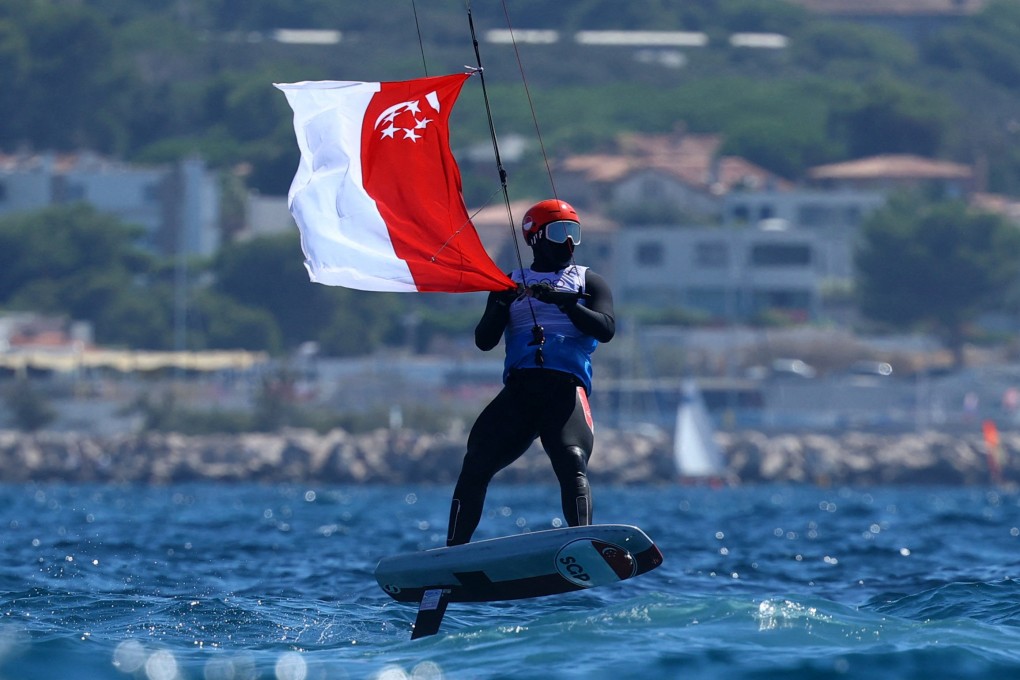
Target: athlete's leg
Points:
(499, 437)
(571, 467)
(568, 439)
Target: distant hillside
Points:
(165, 78)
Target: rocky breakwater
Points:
(384, 456)
(858, 458)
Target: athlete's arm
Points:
(596, 316)
(493, 322)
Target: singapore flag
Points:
(377, 195)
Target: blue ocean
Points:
(243, 581)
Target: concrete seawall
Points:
(384, 456)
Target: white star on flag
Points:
(412, 107)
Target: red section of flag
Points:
(409, 171)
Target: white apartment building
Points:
(730, 273)
(835, 217)
(775, 250)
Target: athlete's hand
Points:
(543, 292)
(506, 297)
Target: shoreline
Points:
(403, 456)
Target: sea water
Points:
(244, 581)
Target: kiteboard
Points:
(515, 567)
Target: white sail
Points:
(694, 447)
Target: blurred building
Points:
(266, 216)
(651, 178)
(176, 204)
(891, 172)
(726, 273)
(833, 217)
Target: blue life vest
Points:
(566, 348)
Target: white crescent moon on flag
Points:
(389, 114)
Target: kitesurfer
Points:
(552, 321)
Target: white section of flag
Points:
(345, 239)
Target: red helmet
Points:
(544, 212)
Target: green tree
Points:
(754, 16)
(64, 242)
(987, 43)
(15, 63)
(76, 261)
(888, 115)
(935, 266)
(68, 67)
(137, 318)
(361, 322)
(222, 323)
(268, 274)
(819, 44)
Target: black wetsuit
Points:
(534, 403)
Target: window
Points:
(852, 215)
(782, 299)
(712, 300)
(649, 253)
(814, 215)
(74, 193)
(711, 254)
(741, 214)
(781, 255)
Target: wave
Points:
(958, 630)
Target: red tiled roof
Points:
(43, 339)
(1002, 205)
(899, 166)
(690, 158)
